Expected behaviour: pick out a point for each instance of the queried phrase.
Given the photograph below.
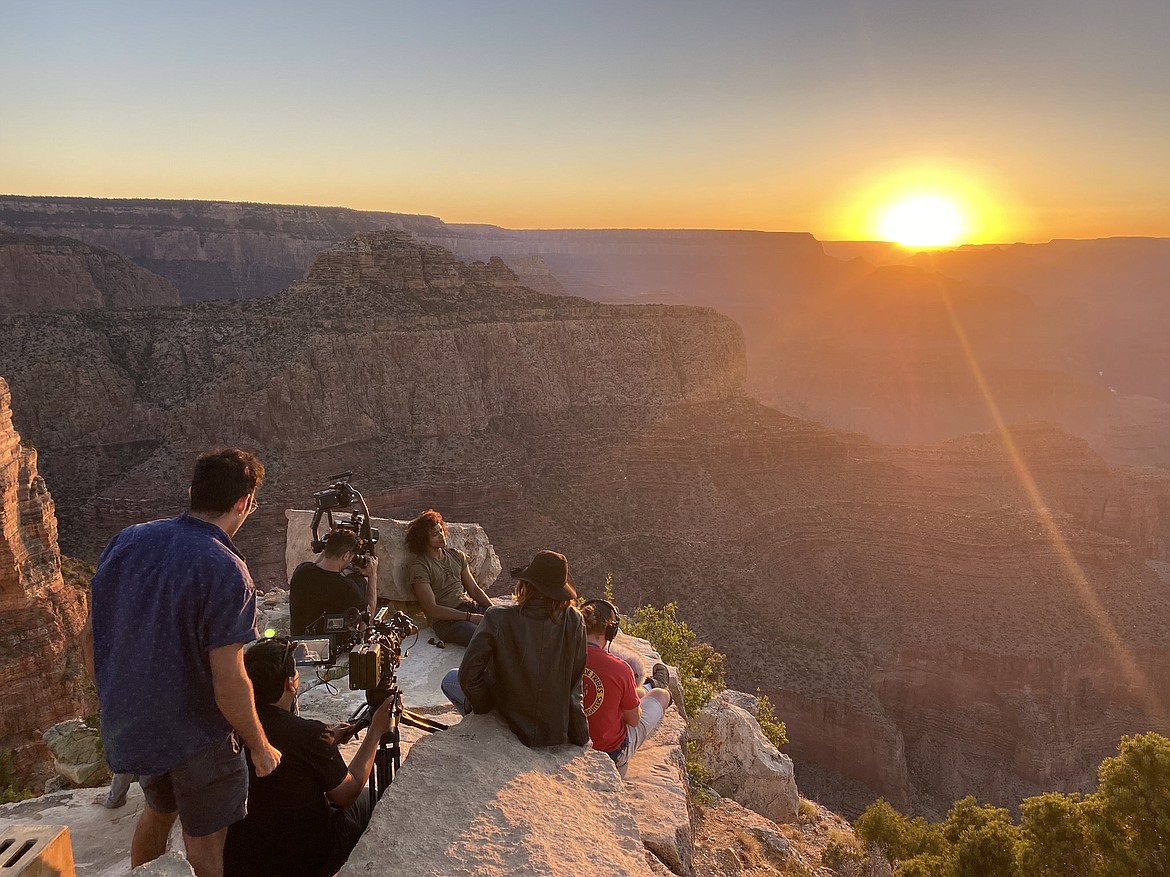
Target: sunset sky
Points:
(1041, 119)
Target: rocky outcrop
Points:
(48, 274)
(541, 811)
(391, 551)
(743, 764)
(77, 753)
(40, 615)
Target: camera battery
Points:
(364, 666)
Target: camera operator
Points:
(332, 584)
(306, 816)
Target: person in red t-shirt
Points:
(622, 714)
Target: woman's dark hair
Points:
(526, 593)
(222, 477)
(270, 663)
(418, 531)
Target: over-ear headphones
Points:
(615, 622)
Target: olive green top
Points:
(444, 575)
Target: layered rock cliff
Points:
(47, 274)
(40, 615)
(922, 622)
(208, 249)
(387, 342)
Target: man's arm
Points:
(471, 586)
(632, 717)
(371, 574)
(435, 612)
(233, 696)
(87, 646)
(347, 791)
(473, 668)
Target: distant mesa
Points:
(59, 273)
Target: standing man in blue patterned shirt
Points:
(172, 606)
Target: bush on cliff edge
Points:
(1121, 830)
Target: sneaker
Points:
(660, 678)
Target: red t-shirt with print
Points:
(608, 687)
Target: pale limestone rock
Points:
(655, 789)
(745, 766)
(475, 801)
(77, 753)
(171, 864)
(391, 551)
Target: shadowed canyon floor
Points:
(925, 631)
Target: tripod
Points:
(388, 758)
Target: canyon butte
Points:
(864, 336)
(929, 623)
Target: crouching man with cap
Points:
(526, 660)
(306, 816)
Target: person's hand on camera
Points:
(265, 759)
(380, 720)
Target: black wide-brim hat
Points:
(548, 573)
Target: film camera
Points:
(374, 646)
(327, 503)
(375, 651)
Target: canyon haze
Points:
(927, 624)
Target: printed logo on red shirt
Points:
(592, 692)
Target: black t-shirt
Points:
(313, 592)
(286, 830)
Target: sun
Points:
(922, 203)
(923, 221)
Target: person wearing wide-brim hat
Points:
(526, 660)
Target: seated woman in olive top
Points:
(442, 581)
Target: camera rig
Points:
(342, 495)
(375, 650)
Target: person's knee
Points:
(660, 695)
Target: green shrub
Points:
(1128, 816)
(11, 789)
(844, 855)
(925, 865)
(700, 667)
(1120, 830)
(698, 777)
(884, 827)
(1053, 839)
(806, 814)
(774, 729)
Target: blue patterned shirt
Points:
(165, 593)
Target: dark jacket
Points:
(529, 667)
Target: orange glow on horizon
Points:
(925, 204)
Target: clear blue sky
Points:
(772, 115)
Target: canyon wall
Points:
(45, 274)
(926, 619)
(40, 615)
(207, 249)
